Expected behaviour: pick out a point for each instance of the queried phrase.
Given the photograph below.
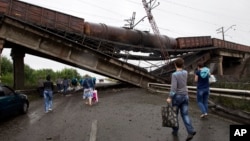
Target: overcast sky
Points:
(174, 18)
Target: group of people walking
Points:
(64, 84)
(178, 95)
(88, 85)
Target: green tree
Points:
(70, 73)
(29, 78)
(6, 71)
(6, 66)
(32, 76)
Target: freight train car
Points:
(194, 42)
(41, 16)
(230, 45)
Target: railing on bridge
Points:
(231, 93)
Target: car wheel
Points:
(25, 108)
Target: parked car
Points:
(12, 102)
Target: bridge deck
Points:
(55, 47)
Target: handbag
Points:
(169, 116)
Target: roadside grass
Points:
(232, 103)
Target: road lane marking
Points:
(93, 131)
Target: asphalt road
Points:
(124, 114)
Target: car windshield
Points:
(5, 91)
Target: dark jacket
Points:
(89, 83)
(48, 85)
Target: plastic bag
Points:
(169, 116)
(212, 79)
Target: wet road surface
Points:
(126, 114)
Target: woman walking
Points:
(203, 88)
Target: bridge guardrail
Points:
(231, 93)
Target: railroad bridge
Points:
(42, 32)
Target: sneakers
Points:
(203, 115)
(190, 136)
(49, 110)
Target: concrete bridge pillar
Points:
(220, 66)
(18, 66)
(216, 65)
(1, 49)
(212, 66)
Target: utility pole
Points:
(148, 6)
(130, 21)
(221, 30)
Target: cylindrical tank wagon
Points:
(128, 36)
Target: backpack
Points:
(85, 83)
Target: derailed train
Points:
(50, 19)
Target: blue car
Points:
(12, 102)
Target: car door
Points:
(4, 104)
(8, 101)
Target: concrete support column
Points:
(213, 66)
(1, 49)
(220, 66)
(216, 66)
(18, 66)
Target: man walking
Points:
(179, 97)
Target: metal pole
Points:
(223, 36)
(221, 30)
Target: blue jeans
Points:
(48, 96)
(65, 88)
(181, 102)
(202, 99)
